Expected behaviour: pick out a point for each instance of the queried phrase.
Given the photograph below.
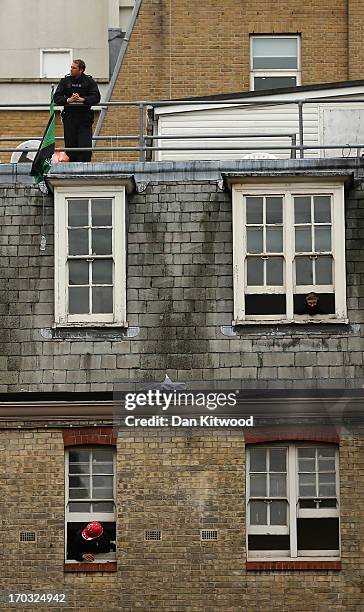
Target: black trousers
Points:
(77, 133)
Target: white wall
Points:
(30, 25)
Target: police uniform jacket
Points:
(86, 87)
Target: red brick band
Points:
(292, 565)
(79, 436)
(90, 567)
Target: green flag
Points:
(42, 160)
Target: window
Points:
(90, 257)
(275, 62)
(55, 63)
(292, 501)
(90, 495)
(289, 253)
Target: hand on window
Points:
(88, 557)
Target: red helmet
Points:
(59, 156)
(92, 531)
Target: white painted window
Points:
(289, 252)
(55, 63)
(90, 256)
(292, 501)
(90, 494)
(274, 62)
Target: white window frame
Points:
(53, 50)
(288, 190)
(294, 511)
(87, 517)
(275, 72)
(118, 317)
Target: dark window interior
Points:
(72, 529)
(318, 533)
(258, 304)
(268, 542)
(325, 305)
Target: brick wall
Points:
(203, 49)
(179, 293)
(178, 482)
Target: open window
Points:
(90, 260)
(90, 497)
(289, 253)
(293, 502)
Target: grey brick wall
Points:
(179, 281)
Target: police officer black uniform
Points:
(77, 92)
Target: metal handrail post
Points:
(294, 145)
(141, 132)
(300, 127)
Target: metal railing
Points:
(145, 137)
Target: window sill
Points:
(90, 567)
(292, 565)
(85, 332)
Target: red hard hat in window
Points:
(92, 531)
(59, 156)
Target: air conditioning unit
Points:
(22, 154)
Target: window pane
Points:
(275, 271)
(258, 460)
(101, 211)
(278, 513)
(102, 272)
(275, 52)
(325, 452)
(306, 465)
(261, 83)
(258, 486)
(258, 513)
(103, 468)
(78, 300)
(255, 271)
(323, 238)
(101, 242)
(102, 481)
(106, 493)
(79, 507)
(274, 209)
(77, 213)
(277, 460)
(79, 456)
(302, 209)
(277, 486)
(254, 240)
(78, 242)
(324, 271)
(307, 453)
(102, 300)
(326, 465)
(79, 482)
(78, 272)
(327, 485)
(303, 239)
(102, 455)
(254, 210)
(304, 274)
(79, 468)
(274, 240)
(322, 209)
(103, 507)
(307, 485)
(78, 493)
